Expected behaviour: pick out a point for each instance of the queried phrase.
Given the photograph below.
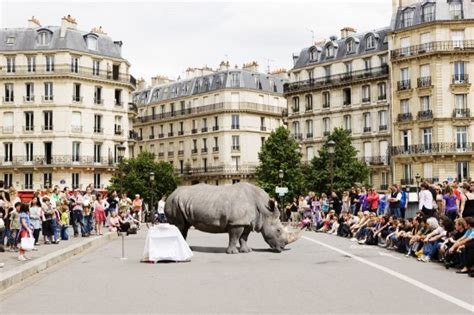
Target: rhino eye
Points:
(279, 230)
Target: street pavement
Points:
(318, 274)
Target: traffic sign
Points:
(281, 190)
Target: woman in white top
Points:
(35, 218)
(425, 203)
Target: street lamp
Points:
(280, 176)
(121, 152)
(331, 147)
(152, 179)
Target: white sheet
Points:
(165, 242)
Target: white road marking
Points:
(400, 276)
(389, 255)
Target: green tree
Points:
(280, 152)
(133, 177)
(348, 170)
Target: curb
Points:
(21, 273)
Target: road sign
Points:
(281, 190)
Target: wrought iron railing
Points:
(404, 117)
(425, 115)
(423, 82)
(433, 148)
(56, 160)
(432, 47)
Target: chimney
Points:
(189, 73)
(141, 84)
(33, 22)
(251, 66)
(160, 79)
(224, 66)
(98, 30)
(67, 22)
(281, 73)
(118, 45)
(347, 32)
(295, 59)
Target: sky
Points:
(167, 37)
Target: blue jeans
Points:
(87, 223)
(64, 233)
(396, 212)
(431, 249)
(77, 219)
(56, 229)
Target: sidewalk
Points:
(46, 256)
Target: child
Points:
(15, 226)
(64, 219)
(114, 222)
(99, 213)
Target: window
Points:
(118, 125)
(460, 103)
(258, 84)
(425, 42)
(370, 42)
(425, 103)
(98, 95)
(43, 38)
(382, 89)
(367, 122)
(29, 121)
(309, 153)
(296, 104)
(235, 142)
(346, 96)
(462, 168)
(235, 79)
(75, 180)
(461, 139)
(348, 68)
(367, 151)
(455, 10)
(405, 45)
(348, 123)
(76, 122)
(95, 67)
(8, 180)
(97, 123)
(30, 92)
(235, 122)
(428, 13)
(48, 91)
(309, 128)
(204, 145)
(458, 38)
(48, 120)
(313, 54)
(118, 97)
(407, 171)
(8, 122)
(74, 64)
(31, 63)
(91, 42)
(327, 72)
(76, 92)
(76, 152)
(29, 151)
(326, 125)
(367, 64)
(459, 74)
(329, 51)
(326, 99)
(28, 181)
(366, 94)
(8, 149)
(296, 129)
(10, 40)
(383, 120)
(407, 17)
(427, 138)
(405, 106)
(9, 94)
(350, 46)
(262, 124)
(216, 144)
(49, 63)
(97, 183)
(97, 152)
(309, 102)
(10, 64)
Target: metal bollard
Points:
(123, 247)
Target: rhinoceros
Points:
(235, 209)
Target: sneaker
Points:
(361, 242)
(35, 248)
(354, 239)
(21, 258)
(1, 265)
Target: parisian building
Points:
(211, 124)
(65, 115)
(432, 53)
(344, 83)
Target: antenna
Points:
(226, 58)
(312, 35)
(268, 64)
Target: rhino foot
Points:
(245, 249)
(232, 250)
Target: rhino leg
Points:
(243, 241)
(234, 236)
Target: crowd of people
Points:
(442, 229)
(49, 214)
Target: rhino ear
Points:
(271, 205)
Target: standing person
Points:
(77, 213)
(35, 219)
(346, 201)
(467, 202)
(113, 201)
(353, 197)
(64, 211)
(161, 209)
(335, 203)
(373, 199)
(56, 222)
(124, 203)
(4, 209)
(137, 204)
(47, 219)
(394, 202)
(403, 201)
(425, 203)
(451, 202)
(15, 226)
(25, 228)
(99, 213)
(364, 204)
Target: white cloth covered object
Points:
(164, 242)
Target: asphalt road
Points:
(318, 274)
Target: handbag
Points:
(27, 243)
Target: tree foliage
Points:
(133, 177)
(280, 152)
(348, 170)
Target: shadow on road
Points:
(221, 250)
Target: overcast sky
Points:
(166, 37)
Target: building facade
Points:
(65, 106)
(211, 125)
(432, 54)
(344, 83)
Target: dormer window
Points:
(258, 84)
(313, 54)
(330, 51)
(350, 46)
(10, 40)
(428, 13)
(407, 18)
(455, 10)
(370, 42)
(91, 41)
(44, 37)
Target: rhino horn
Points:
(293, 236)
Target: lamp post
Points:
(280, 176)
(331, 147)
(418, 179)
(152, 179)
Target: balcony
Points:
(348, 130)
(204, 150)
(425, 115)
(47, 98)
(439, 47)
(309, 135)
(204, 129)
(170, 153)
(10, 99)
(298, 136)
(406, 181)
(346, 102)
(383, 128)
(218, 170)
(336, 80)
(161, 154)
(180, 152)
(366, 100)
(215, 149)
(151, 137)
(433, 148)
(235, 148)
(28, 129)
(376, 160)
(423, 82)
(98, 101)
(194, 151)
(139, 138)
(118, 103)
(404, 117)
(367, 129)
(47, 128)
(77, 99)
(326, 133)
(181, 132)
(194, 130)
(403, 85)
(235, 127)
(98, 130)
(76, 129)
(170, 134)
(461, 113)
(326, 105)
(460, 79)
(215, 128)
(30, 98)
(118, 131)
(56, 161)
(382, 97)
(263, 128)
(132, 135)
(161, 135)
